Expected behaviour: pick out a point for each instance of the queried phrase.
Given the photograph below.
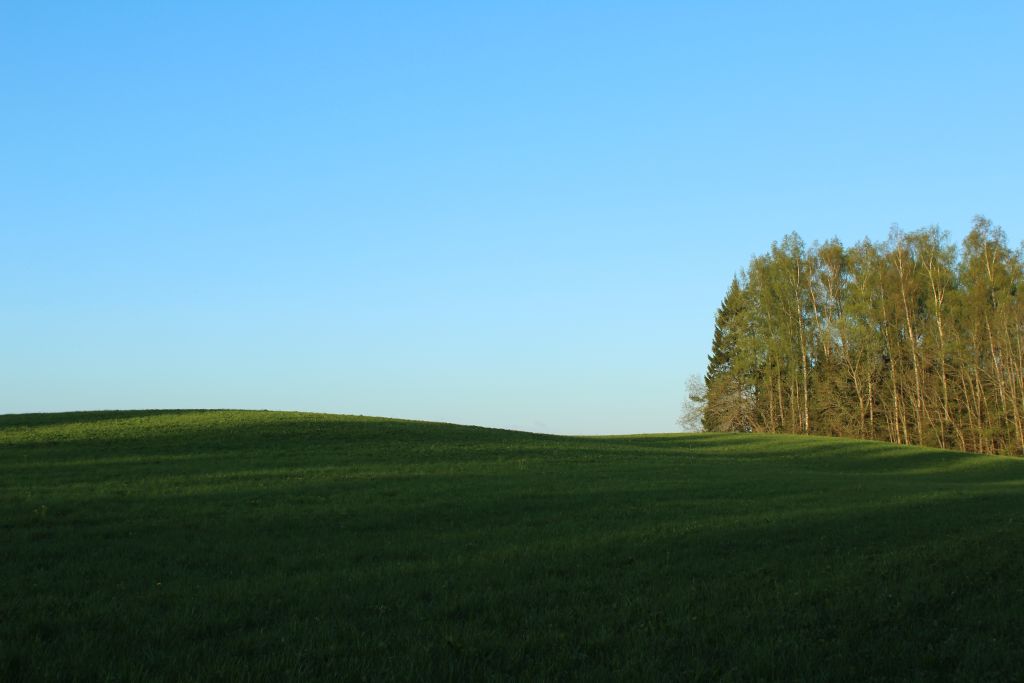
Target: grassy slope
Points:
(169, 545)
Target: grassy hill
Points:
(170, 545)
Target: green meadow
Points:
(229, 545)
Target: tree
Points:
(910, 339)
(726, 399)
(692, 417)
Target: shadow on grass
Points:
(817, 451)
(831, 577)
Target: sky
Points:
(516, 215)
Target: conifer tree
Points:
(723, 345)
(725, 398)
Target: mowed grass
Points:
(225, 545)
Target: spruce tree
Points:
(721, 360)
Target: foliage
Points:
(724, 399)
(694, 410)
(909, 340)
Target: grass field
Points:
(223, 545)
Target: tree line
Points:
(914, 340)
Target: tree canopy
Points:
(912, 340)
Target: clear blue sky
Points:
(519, 215)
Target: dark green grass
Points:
(207, 545)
